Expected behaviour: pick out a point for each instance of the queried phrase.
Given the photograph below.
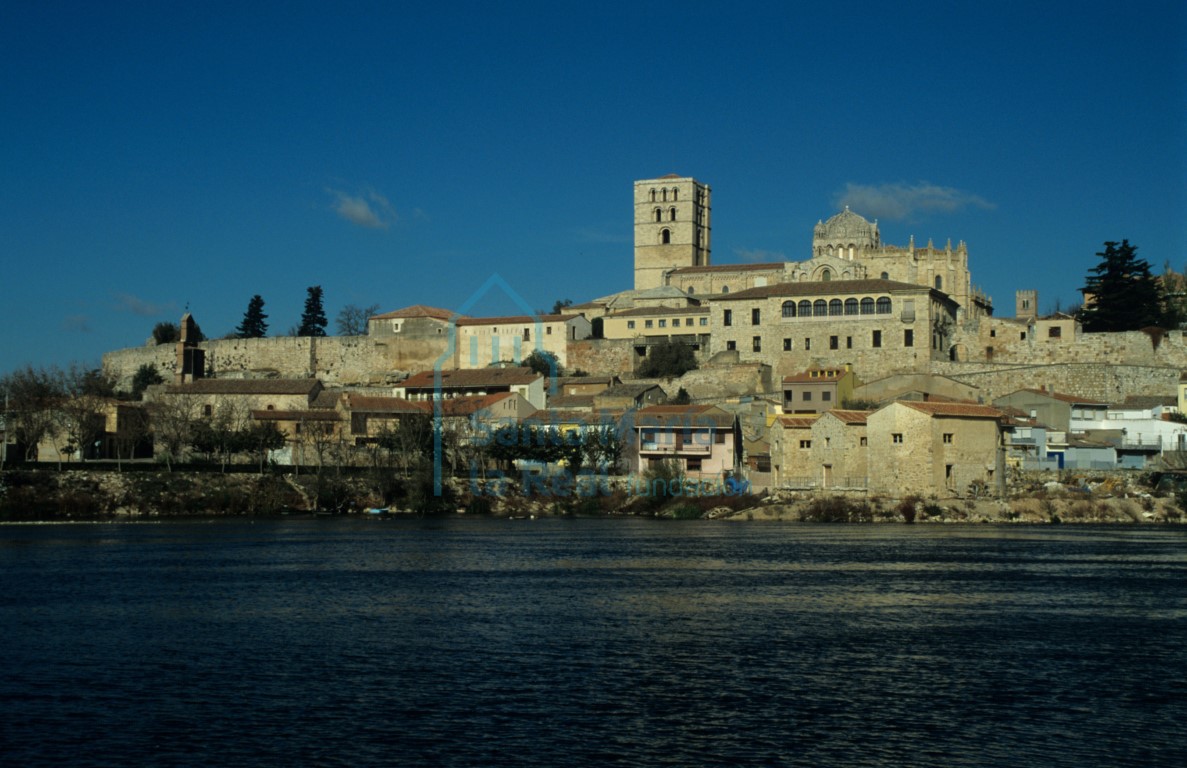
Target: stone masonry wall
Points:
(1110, 383)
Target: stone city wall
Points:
(1106, 382)
(336, 360)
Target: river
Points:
(619, 642)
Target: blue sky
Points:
(157, 156)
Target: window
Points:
(826, 396)
(848, 342)
(659, 216)
(1054, 332)
(692, 289)
(896, 437)
(807, 345)
(688, 322)
(731, 344)
(819, 308)
(835, 308)
(876, 343)
(862, 442)
(993, 334)
(727, 317)
(675, 194)
(207, 410)
(755, 316)
(757, 341)
(885, 275)
(630, 324)
(704, 321)
(807, 398)
(805, 308)
(948, 438)
(939, 283)
(725, 289)
(826, 275)
(675, 322)
(663, 323)
(805, 444)
(787, 345)
(867, 306)
(648, 323)
(851, 306)
(653, 195)
(692, 465)
(908, 338)
(1022, 336)
(527, 334)
(671, 214)
(665, 236)
(883, 305)
(789, 309)
(834, 342)
(548, 330)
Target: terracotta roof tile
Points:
(416, 310)
(971, 410)
(471, 378)
(515, 319)
(833, 287)
(245, 387)
(798, 422)
(850, 417)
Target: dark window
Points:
(807, 345)
(877, 341)
(834, 342)
(908, 338)
(896, 437)
(789, 309)
(727, 317)
(671, 214)
(665, 236)
(805, 308)
(883, 305)
(835, 308)
(851, 306)
(1054, 332)
(867, 306)
(826, 276)
(826, 396)
(757, 341)
(820, 308)
(755, 316)
(807, 397)
(848, 342)
(659, 216)
(885, 275)
(939, 283)
(731, 344)
(787, 345)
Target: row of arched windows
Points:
(659, 214)
(837, 308)
(663, 194)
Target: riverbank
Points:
(46, 495)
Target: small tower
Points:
(671, 227)
(191, 361)
(1026, 304)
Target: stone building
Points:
(875, 326)
(482, 341)
(817, 390)
(944, 449)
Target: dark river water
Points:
(479, 642)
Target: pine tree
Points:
(313, 319)
(1120, 293)
(253, 325)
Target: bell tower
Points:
(671, 227)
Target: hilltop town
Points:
(865, 369)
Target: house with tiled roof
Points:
(818, 389)
(415, 322)
(483, 341)
(1060, 411)
(704, 440)
(450, 383)
(941, 448)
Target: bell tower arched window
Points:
(665, 236)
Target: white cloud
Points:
(126, 302)
(902, 201)
(368, 209)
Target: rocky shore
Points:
(29, 495)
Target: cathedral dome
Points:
(845, 234)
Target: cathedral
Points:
(672, 250)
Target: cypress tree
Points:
(313, 319)
(253, 325)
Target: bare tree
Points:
(173, 418)
(31, 393)
(352, 320)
